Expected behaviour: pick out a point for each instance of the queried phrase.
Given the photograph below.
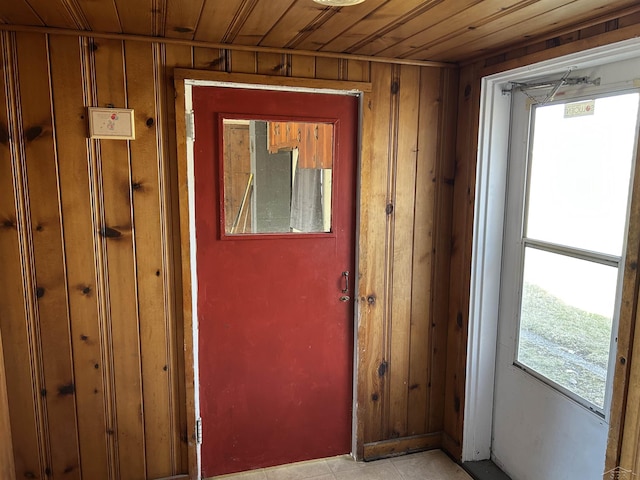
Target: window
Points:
(572, 244)
(277, 176)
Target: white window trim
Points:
(491, 177)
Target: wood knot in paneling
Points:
(29, 475)
(8, 223)
(217, 62)
(389, 208)
(150, 122)
(182, 29)
(395, 87)
(31, 133)
(459, 319)
(40, 291)
(4, 134)
(382, 368)
(375, 397)
(371, 299)
(68, 389)
(108, 232)
(84, 289)
(467, 91)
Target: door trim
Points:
(183, 80)
(489, 209)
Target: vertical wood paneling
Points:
(147, 184)
(117, 230)
(302, 66)
(7, 466)
(403, 200)
(422, 260)
(272, 64)
(624, 450)
(177, 56)
(242, 62)
(52, 330)
(443, 215)
(15, 301)
(79, 235)
(463, 198)
(372, 364)
(208, 58)
(328, 68)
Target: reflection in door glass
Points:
(574, 230)
(277, 176)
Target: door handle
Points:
(346, 281)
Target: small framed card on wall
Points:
(114, 123)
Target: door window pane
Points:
(565, 321)
(579, 173)
(580, 164)
(277, 176)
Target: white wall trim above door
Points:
(491, 177)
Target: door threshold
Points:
(484, 470)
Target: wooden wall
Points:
(91, 310)
(624, 434)
(92, 335)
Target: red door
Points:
(275, 321)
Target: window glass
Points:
(565, 321)
(277, 176)
(580, 164)
(579, 173)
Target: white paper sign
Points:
(115, 123)
(580, 109)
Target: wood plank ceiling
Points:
(436, 30)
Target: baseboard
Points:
(401, 446)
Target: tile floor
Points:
(431, 465)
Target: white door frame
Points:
(489, 211)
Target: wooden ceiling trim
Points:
(526, 24)
(19, 12)
(101, 16)
(416, 25)
(158, 17)
(488, 32)
(298, 23)
(264, 17)
(182, 18)
(484, 13)
(531, 46)
(136, 17)
(212, 24)
(245, 48)
(239, 19)
(337, 25)
(53, 14)
(77, 14)
(377, 21)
